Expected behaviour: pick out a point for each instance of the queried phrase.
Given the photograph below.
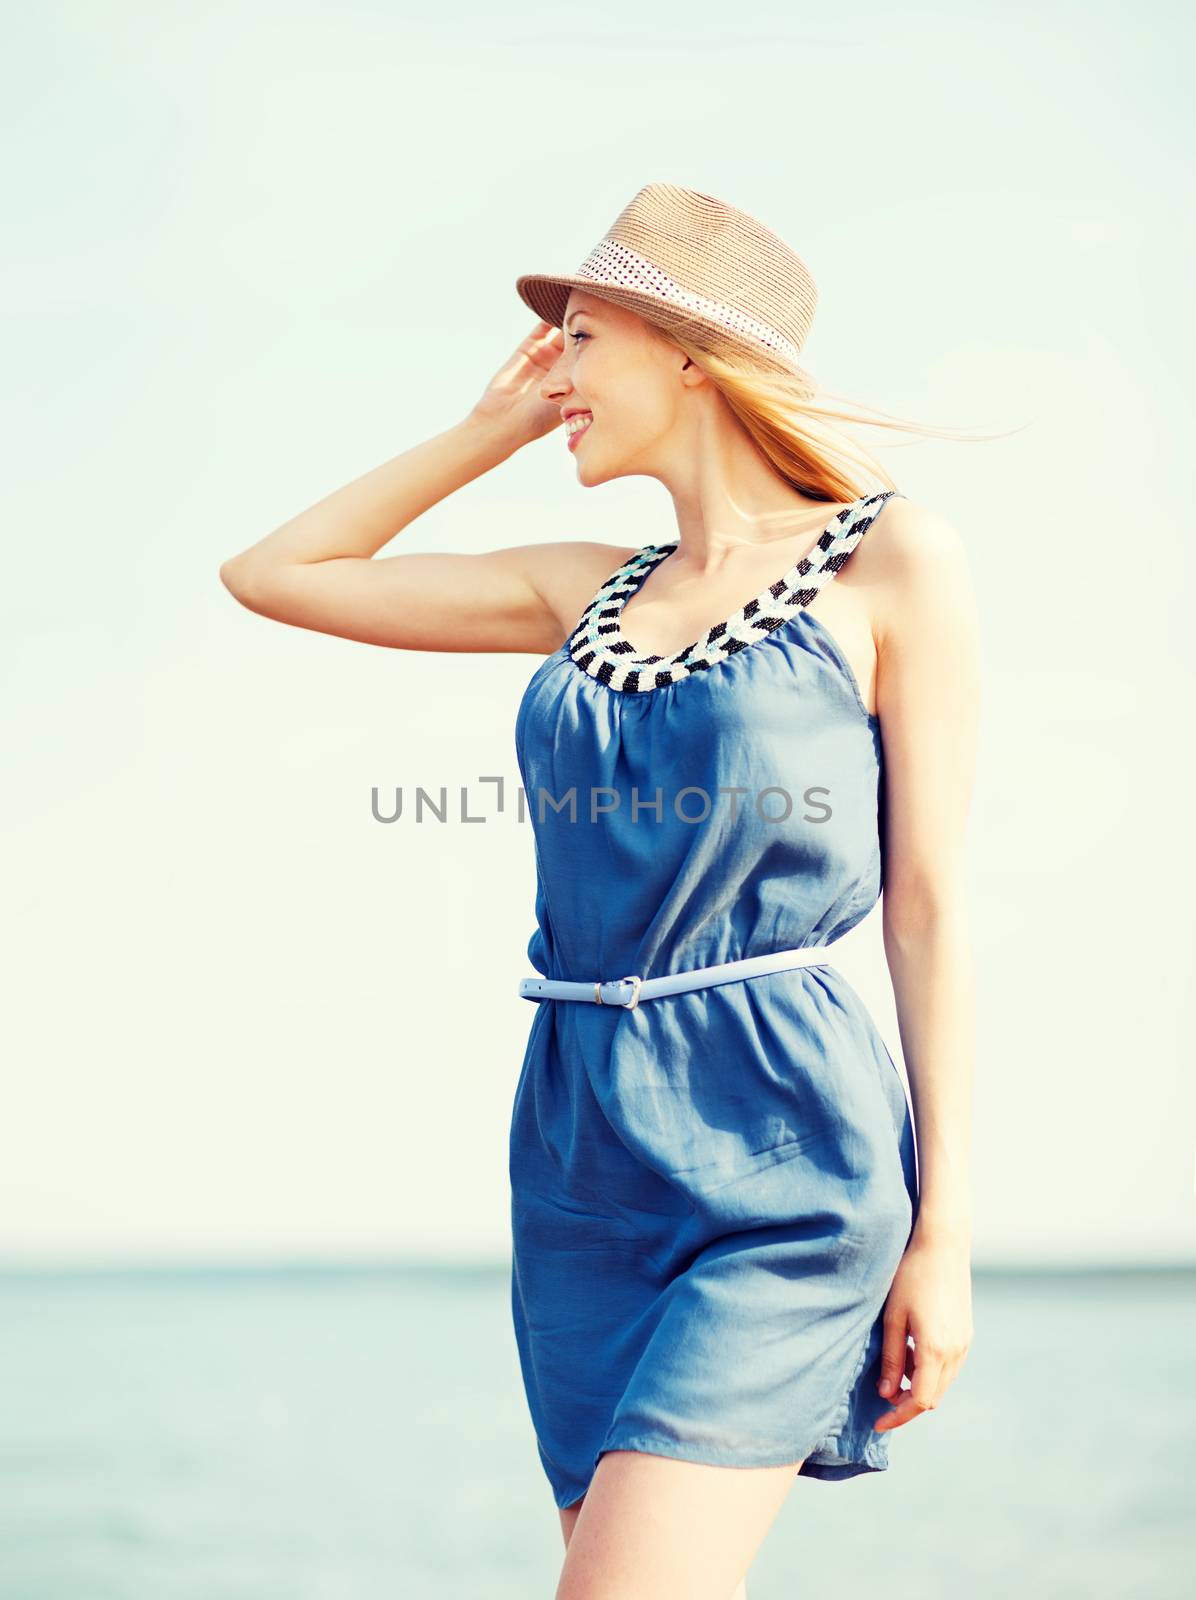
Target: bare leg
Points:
(569, 1516)
(659, 1529)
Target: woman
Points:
(724, 1259)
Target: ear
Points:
(691, 374)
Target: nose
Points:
(556, 384)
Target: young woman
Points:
(725, 1261)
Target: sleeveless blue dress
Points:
(710, 1193)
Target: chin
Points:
(591, 473)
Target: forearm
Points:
(358, 519)
(930, 961)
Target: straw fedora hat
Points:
(694, 265)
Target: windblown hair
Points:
(786, 420)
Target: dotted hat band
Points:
(614, 265)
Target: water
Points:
(306, 1434)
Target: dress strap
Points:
(836, 544)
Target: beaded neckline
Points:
(597, 644)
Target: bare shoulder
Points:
(569, 575)
(916, 567)
(910, 537)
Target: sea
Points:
(359, 1432)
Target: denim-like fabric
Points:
(710, 1194)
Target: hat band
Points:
(614, 265)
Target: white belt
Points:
(615, 991)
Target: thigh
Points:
(652, 1528)
(569, 1516)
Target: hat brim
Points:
(548, 295)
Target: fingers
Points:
(543, 345)
(927, 1375)
(892, 1356)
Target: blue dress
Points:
(710, 1193)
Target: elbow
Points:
(913, 915)
(236, 577)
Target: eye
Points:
(576, 336)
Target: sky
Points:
(251, 253)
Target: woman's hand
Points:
(512, 403)
(930, 1300)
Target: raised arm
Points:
(321, 569)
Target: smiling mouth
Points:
(573, 434)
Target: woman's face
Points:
(626, 381)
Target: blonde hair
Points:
(784, 417)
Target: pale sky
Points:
(251, 252)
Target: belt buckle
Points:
(628, 1005)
